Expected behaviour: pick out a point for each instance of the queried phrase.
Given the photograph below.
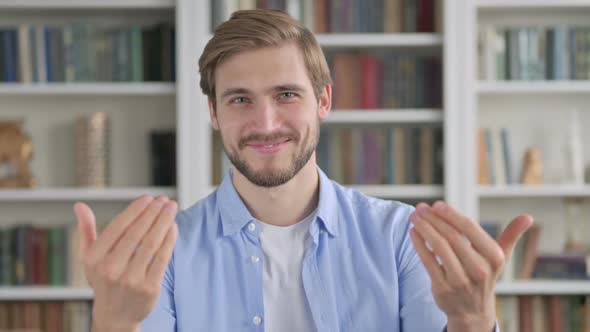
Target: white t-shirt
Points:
(285, 305)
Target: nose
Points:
(267, 117)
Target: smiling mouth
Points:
(274, 144)
(269, 145)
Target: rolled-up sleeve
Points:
(418, 310)
(163, 317)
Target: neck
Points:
(283, 205)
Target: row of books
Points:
(35, 255)
(345, 16)
(46, 316)
(365, 81)
(81, 52)
(534, 53)
(535, 313)
(495, 157)
(395, 156)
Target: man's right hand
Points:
(126, 263)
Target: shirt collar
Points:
(235, 215)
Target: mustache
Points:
(255, 137)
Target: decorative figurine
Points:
(16, 151)
(532, 169)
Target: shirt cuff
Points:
(496, 328)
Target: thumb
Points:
(86, 226)
(513, 232)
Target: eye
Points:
(239, 100)
(287, 95)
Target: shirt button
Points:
(257, 320)
(254, 259)
(251, 227)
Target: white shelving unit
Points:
(134, 110)
(524, 107)
(182, 107)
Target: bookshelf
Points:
(536, 112)
(137, 107)
(134, 108)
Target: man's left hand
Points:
(464, 262)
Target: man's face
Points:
(267, 113)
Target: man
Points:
(280, 247)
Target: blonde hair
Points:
(252, 29)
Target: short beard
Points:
(274, 179)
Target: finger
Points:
(118, 259)
(476, 266)
(86, 226)
(153, 240)
(117, 227)
(427, 257)
(513, 232)
(478, 237)
(160, 261)
(454, 272)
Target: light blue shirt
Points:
(360, 272)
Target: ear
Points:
(213, 114)
(325, 102)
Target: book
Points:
(163, 157)
(530, 252)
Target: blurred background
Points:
(482, 103)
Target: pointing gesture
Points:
(126, 262)
(464, 262)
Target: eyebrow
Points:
(278, 88)
(288, 87)
(234, 91)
